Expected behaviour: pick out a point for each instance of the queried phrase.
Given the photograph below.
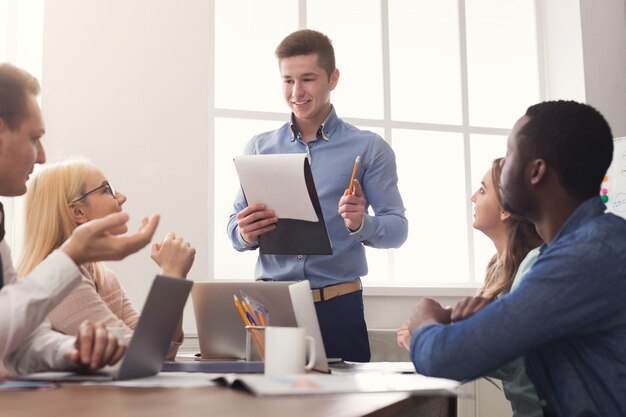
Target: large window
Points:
(442, 81)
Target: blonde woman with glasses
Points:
(63, 196)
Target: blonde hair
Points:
(523, 238)
(47, 217)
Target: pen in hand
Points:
(350, 189)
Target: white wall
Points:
(603, 25)
(127, 84)
(561, 41)
(387, 308)
(584, 44)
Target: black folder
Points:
(299, 237)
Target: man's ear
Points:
(334, 78)
(538, 171)
(78, 213)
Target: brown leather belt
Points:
(332, 291)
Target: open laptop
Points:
(221, 331)
(306, 316)
(151, 339)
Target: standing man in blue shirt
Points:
(567, 318)
(307, 66)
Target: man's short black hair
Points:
(574, 139)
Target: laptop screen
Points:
(156, 328)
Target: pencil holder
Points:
(255, 343)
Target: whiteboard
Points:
(613, 190)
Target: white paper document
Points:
(333, 384)
(278, 182)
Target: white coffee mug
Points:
(285, 350)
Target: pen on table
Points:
(356, 167)
(240, 309)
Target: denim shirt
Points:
(568, 318)
(331, 155)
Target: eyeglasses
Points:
(106, 186)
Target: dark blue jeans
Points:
(343, 327)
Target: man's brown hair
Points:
(307, 42)
(15, 87)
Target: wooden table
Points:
(73, 400)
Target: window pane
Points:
(484, 149)
(502, 60)
(354, 28)
(432, 181)
(231, 136)
(246, 70)
(424, 54)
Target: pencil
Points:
(261, 318)
(240, 309)
(356, 166)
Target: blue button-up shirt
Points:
(332, 154)
(568, 318)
